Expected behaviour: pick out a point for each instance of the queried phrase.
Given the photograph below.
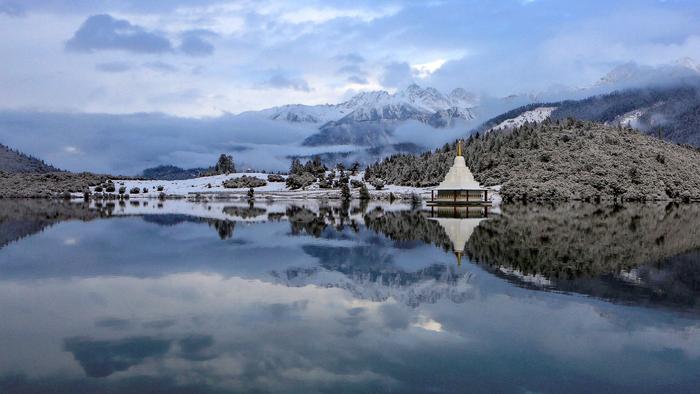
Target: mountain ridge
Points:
(671, 111)
(13, 161)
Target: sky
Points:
(118, 86)
(206, 57)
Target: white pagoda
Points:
(459, 186)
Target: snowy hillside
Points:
(533, 116)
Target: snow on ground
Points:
(275, 190)
(630, 118)
(212, 187)
(533, 116)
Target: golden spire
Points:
(459, 148)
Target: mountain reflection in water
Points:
(209, 296)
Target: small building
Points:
(459, 186)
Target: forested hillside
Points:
(13, 161)
(671, 112)
(567, 159)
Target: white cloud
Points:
(71, 150)
(424, 70)
(325, 14)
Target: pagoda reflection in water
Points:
(459, 223)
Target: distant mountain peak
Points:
(634, 73)
(413, 102)
(689, 63)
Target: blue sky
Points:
(206, 57)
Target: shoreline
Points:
(73, 186)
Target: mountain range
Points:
(366, 127)
(671, 112)
(369, 118)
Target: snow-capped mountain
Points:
(636, 74)
(426, 105)
(369, 118)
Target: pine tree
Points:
(251, 194)
(225, 165)
(296, 167)
(355, 168)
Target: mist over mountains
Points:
(366, 127)
(670, 112)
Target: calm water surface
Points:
(311, 297)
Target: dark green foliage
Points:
(315, 166)
(225, 165)
(251, 194)
(244, 181)
(354, 168)
(531, 162)
(297, 181)
(378, 183)
(275, 178)
(135, 190)
(296, 167)
(122, 189)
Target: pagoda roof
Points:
(459, 177)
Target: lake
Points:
(310, 296)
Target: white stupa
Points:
(459, 186)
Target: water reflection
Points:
(306, 296)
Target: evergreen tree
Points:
(368, 173)
(355, 168)
(251, 194)
(296, 167)
(225, 165)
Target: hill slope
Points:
(12, 161)
(559, 160)
(672, 111)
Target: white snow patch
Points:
(211, 187)
(533, 116)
